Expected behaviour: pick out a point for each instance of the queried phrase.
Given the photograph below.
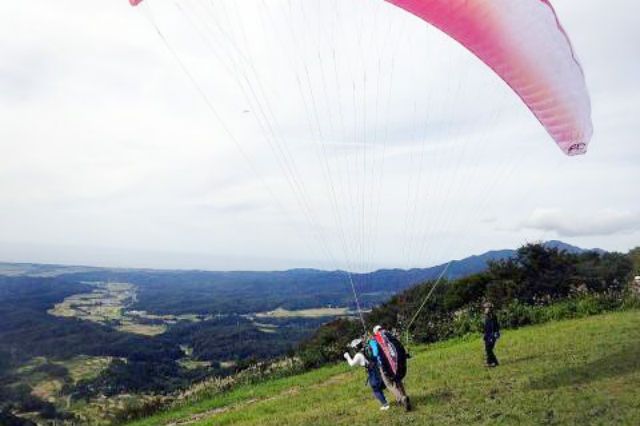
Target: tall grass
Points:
(517, 314)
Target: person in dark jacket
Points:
(491, 334)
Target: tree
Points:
(601, 272)
(634, 256)
(545, 271)
(466, 290)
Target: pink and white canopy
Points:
(524, 43)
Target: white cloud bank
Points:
(567, 223)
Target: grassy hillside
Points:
(584, 371)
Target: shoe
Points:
(406, 403)
(385, 407)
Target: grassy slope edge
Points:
(584, 371)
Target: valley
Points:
(100, 345)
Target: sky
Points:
(296, 133)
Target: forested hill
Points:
(204, 292)
(537, 283)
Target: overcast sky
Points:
(275, 134)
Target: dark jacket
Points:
(491, 328)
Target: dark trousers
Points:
(377, 392)
(376, 383)
(488, 347)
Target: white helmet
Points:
(376, 329)
(355, 343)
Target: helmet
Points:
(355, 343)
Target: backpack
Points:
(394, 355)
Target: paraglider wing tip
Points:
(577, 149)
(579, 143)
(135, 2)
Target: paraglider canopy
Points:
(525, 44)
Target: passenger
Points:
(369, 363)
(491, 334)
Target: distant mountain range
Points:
(457, 268)
(177, 292)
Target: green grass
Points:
(584, 371)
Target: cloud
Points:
(570, 224)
